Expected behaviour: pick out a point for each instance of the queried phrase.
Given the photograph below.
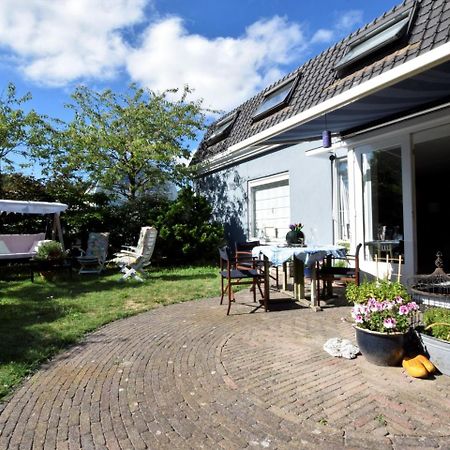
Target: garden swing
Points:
(23, 246)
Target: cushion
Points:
(4, 250)
(34, 246)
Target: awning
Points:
(27, 207)
(419, 92)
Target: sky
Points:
(226, 50)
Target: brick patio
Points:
(187, 376)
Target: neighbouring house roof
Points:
(320, 79)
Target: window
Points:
(222, 129)
(276, 98)
(341, 201)
(385, 34)
(383, 203)
(269, 208)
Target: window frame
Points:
(408, 13)
(281, 104)
(227, 124)
(265, 182)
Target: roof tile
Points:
(320, 82)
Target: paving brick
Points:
(187, 376)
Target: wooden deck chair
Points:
(132, 260)
(328, 272)
(93, 259)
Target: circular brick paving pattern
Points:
(187, 376)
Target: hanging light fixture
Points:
(326, 136)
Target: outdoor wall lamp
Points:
(326, 139)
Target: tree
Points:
(128, 143)
(186, 229)
(19, 130)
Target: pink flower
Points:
(389, 322)
(413, 306)
(358, 318)
(403, 310)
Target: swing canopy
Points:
(24, 246)
(28, 207)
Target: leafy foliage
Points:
(49, 250)
(186, 232)
(19, 130)
(129, 144)
(381, 306)
(380, 290)
(437, 322)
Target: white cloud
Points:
(56, 42)
(345, 23)
(322, 36)
(61, 41)
(349, 20)
(224, 71)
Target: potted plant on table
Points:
(382, 313)
(435, 337)
(295, 236)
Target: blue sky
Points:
(226, 50)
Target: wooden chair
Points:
(245, 260)
(328, 272)
(231, 275)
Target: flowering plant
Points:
(296, 226)
(381, 306)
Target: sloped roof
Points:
(319, 80)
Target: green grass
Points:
(40, 319)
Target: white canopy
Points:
(25, 207)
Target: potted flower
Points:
(295, 235)
(382, 314)
(435, 337)
(49, 251)
(48, 254)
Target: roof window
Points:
(388, 32)
(276, 98)
(222, 129)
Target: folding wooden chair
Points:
(328, 271)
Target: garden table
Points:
(302, 256)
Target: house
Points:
(355, 144)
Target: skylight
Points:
(222, 129)
(276, 98)
(385, 34)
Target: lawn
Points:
(39, 319)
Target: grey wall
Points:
(310, 191)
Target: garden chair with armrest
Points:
(133, 260)
(93, 259)
(245, 260)
(231, 275)
(328, 271)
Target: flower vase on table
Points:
(295, 236)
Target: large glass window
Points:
(269, 208)
(383, 203)
(341, 208)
